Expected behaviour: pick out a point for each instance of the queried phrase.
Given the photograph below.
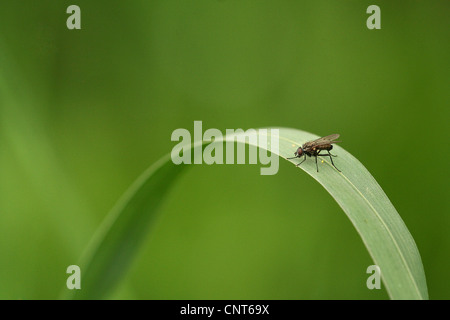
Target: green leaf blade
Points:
(382, 230)
(118, 239)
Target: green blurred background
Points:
(84, 112)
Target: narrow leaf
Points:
(382, 230)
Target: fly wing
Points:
(325, 140)
(331, 137)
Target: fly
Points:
(313, 149)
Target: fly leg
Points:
(304, 158)
(329, 155)
(332, 160)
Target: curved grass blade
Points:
(117, 240)
(382, 230)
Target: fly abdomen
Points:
(326, 147)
